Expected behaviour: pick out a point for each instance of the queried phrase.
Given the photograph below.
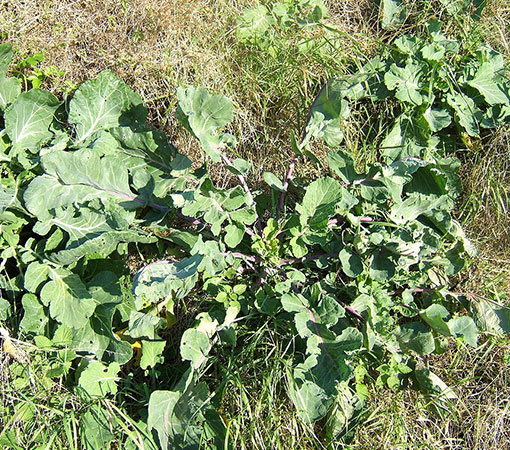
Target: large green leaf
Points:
(78, 177)
(161, 279)
(326, 115)
(35, 317)
(151, 353)
(254, 24)
(102, 244)
(161, 407)
(429, 383)
(351, 87)
(5, 57)
(394, 13)
(319, 202)
(35, 274)
(195, 347)
(486, 82)
(491, 317)
(97, 337)
(101, 104)
(413, 206)
(311, 402)
(149, 157)
(212, 254)
(415, 336)
(69, 300)
(28, 119)
(351, 262)
(183, 418)
(382, 267)
(406, 81)
(204, 114)
(8, 195)
(342, 418)
(10, 89)
(466, 112)
(234, 234)
(312, 386)
(342, 164)
(90, 231)
(98, 380)
(437, 317)
(405, 139)
(272, 180)
(145, 325)
(96, 428)
(437, 119)
(464, 327)
(456, 7)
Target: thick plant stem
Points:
(294, 161)
(286, 183)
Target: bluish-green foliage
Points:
(356, 264)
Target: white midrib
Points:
(77, 229)
(27, 122)
(99, 116)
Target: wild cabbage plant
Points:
(356, 264)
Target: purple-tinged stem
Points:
(286, 183)
(355, 313)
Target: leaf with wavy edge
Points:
(101, 104)
(204, 114)
(69, 300)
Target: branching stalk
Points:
(286, 183)
(294, 160)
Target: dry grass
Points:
(496, 21)
(152, 46)
(480, 417)
(485, 214)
